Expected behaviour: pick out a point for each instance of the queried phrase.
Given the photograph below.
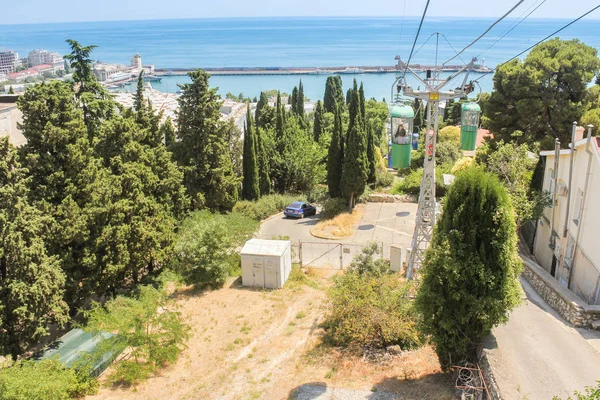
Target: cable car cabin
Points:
(469, 121)
(402, 118)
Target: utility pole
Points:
(433, 94)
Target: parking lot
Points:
(385, 223)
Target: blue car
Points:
(299, 209)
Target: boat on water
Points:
(151, 78)
(352, 71)
(319, 71)
(380, 71)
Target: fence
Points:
(327, 255)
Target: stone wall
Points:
(488, 375)
(567, 304)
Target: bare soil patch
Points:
(257, 344)
(341, 226)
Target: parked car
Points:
(299, 209)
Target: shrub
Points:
(366, 264)
(591, 393)
(147, 325)
(43, 380)
(202, 247)
(411, 184)
(470, 271)
(333, 207)
(450, 134)
(462, 164)
(266, 205)
(447, 152)
(371, 310)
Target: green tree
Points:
(265, 148)
(147, 325)
(138, 97)
(202, 150)
(419, 111)
(168, 132)
(31, 281)
(250, 184)
(66, 182)
(319, 123)
(294, 101)
(542, 95)
(11, 90)
(470, 273)
(300, 100)
(264, 114)
(93, 99)
(335, 158)
(361, 98)
(371, 154)
(334, 94)
(355, 170)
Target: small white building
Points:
(266, 263)
(566, 237)
(40, 57)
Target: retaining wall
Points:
(561, 299)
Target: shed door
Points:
(258, 275)
(271, 267)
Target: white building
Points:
(566, 238)
(40, 57)
(136, 61)
(113, 72)
(9, 60)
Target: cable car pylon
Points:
(434, 93)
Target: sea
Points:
(296, 42)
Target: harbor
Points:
(351, 70)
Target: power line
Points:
(513, 27)
(424, 43)
(484, 33)
(416, 37)
(543, 40)
(452, 47)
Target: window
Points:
(577, 209)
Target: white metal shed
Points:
(266, 263)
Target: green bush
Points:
(371, 310)
(332, 207)
(411, 184)
(266, 205)
(366, 264)
(591, 393)
(43, 380)
(469, 277)
(383, 178)
(147, 325)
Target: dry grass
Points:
(339, 227)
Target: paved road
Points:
(538, 355)
(385, 223)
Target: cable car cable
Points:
(416, 37)
(543, 40)
(513, 27)
(484, 33)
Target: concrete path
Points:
(538, 355)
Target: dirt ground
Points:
(257, 344)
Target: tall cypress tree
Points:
(361, 96)
(334, 94)
(202, 149)
(138, 97)
(418, 107)
(250, 183)
(264, 162)
(280, 115)
(31, 281)
(335, 157)
(168, 132)
(319, 121)
(300, 100)
(448, 109)
(355, 170)
(294, 100)
(371, 153)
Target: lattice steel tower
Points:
(433, 95)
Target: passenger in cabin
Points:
(401, 137)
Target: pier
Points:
(351, 70)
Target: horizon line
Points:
(282, 17)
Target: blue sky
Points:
(42, 11)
